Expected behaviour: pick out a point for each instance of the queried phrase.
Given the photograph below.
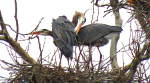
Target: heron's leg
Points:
(60, 60)
(90, 58)
(100, 59)
(69, 64)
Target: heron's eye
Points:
(44, 30)
(82, 20)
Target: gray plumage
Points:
(97, 32)
(63, 35)
(93, 34)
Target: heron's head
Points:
(44, 32)
(78, 19)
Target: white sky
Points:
(31, 11)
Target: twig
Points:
(28, 46)
(38, 24)
(1, 32)
(40, 49)
(93, 12)
(5, 44)
(52, 59)
(16, 20)
(96, 3)
(14, 30)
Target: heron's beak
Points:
(81, 21)
(77, 28)
(35, 33)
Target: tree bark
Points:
(115, 38)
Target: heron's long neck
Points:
(50, 33)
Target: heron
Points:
(67, 34)
(63, 35)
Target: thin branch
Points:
(4, 30)
(38, 24)
(96, 3)
(15, 30)
(146, 51)
(137, 60)
(8, 46)
(93, 12)
(40, 49)
(32, 37)
(1, 32)
(16, 20)
(2, 38)
(17, 48)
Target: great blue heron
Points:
(67, 34)
(93, 33)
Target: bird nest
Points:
(46, 74)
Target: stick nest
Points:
(45, 74)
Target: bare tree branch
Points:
(16, 46)
(141, 13)
(118, 22)
(2, 38)
(38, 24)
(16, 20)
(144, 54)
(41, 48)
(1, 32)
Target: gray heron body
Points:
(63, 35)
(97, 32)
(67, 34)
